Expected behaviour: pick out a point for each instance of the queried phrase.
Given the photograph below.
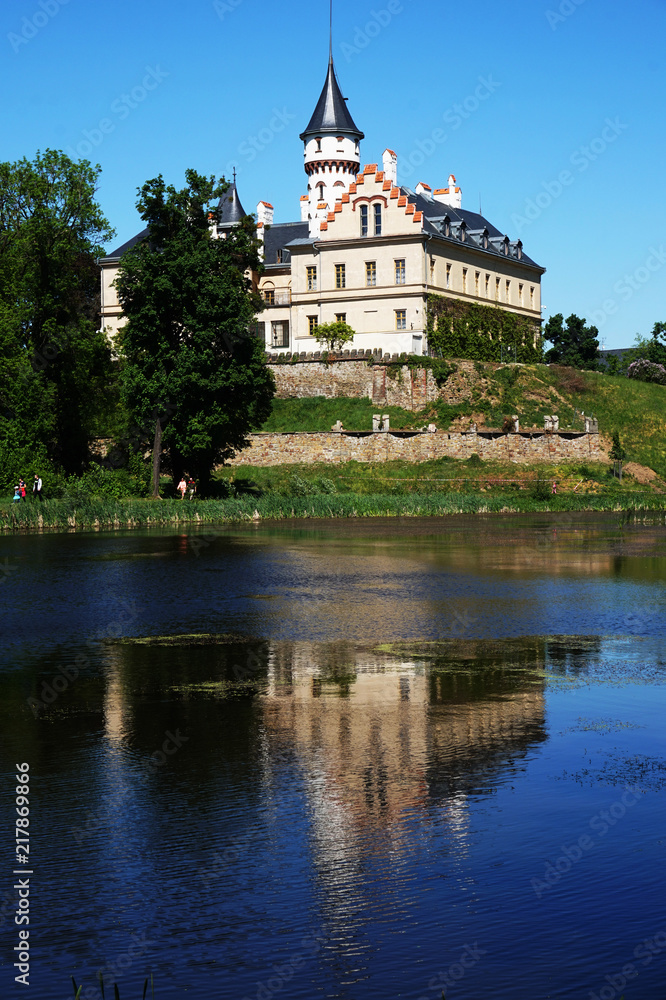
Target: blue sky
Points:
(551, 113)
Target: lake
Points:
(350, 759)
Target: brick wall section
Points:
(333, 447)
(385, 384)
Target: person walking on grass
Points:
(182, 487)
(17, 494)
(554, 486)
(37, 488)
(191, 488)
(22, 488)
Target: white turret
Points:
(332, 156)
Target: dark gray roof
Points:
(115, 254)
(277, 239)
(331, 114)
(230, 209)
(434, 218)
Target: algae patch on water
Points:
(190, 639)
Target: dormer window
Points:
(484, 239)
(519, 250)
(447, 226)
(505, 246)
(463, 231)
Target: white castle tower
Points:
(332, 152)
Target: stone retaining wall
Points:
(418, 446)
(385, 384)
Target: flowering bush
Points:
(647, 371)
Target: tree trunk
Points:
(157, 455)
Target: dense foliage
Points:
(574, 344)
(192, 364)
(334, 336)
(55, 363)
(647, 371)
(458, 329)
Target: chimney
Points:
(451, 195)
(265, 213)
(424, 189)
(390, 160)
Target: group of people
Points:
(187, 487)
(20, 489)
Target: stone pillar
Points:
(516, 423)
(556, 423)
(376, 422)
(385, 422)
(547, 423)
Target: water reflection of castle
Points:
(383, 736)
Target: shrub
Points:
(647, 371)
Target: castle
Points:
(366, 250)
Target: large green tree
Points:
(575, 345)
(55, 363)
(193, 368)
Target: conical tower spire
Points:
(229, 208)
(331, 115)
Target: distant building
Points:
(366, 250)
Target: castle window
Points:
(370, 273)
(279, 257)
(432, 270)
(464, 279)
(312, 324)
(341, 317)
(508, 290)
(269, 296)
(378, 219)
(448, 275)
(497, 289)
(520, 294)
(312, 278)
(487, 286)
(401, 319)
(400, 272)
(477, 275)
(280, 333)
(340, 276)
(364, 220)
(318, 141)
(532, 296)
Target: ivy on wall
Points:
(458, 329)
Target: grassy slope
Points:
(489, 392)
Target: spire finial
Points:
(234, 175)
(330, 33)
